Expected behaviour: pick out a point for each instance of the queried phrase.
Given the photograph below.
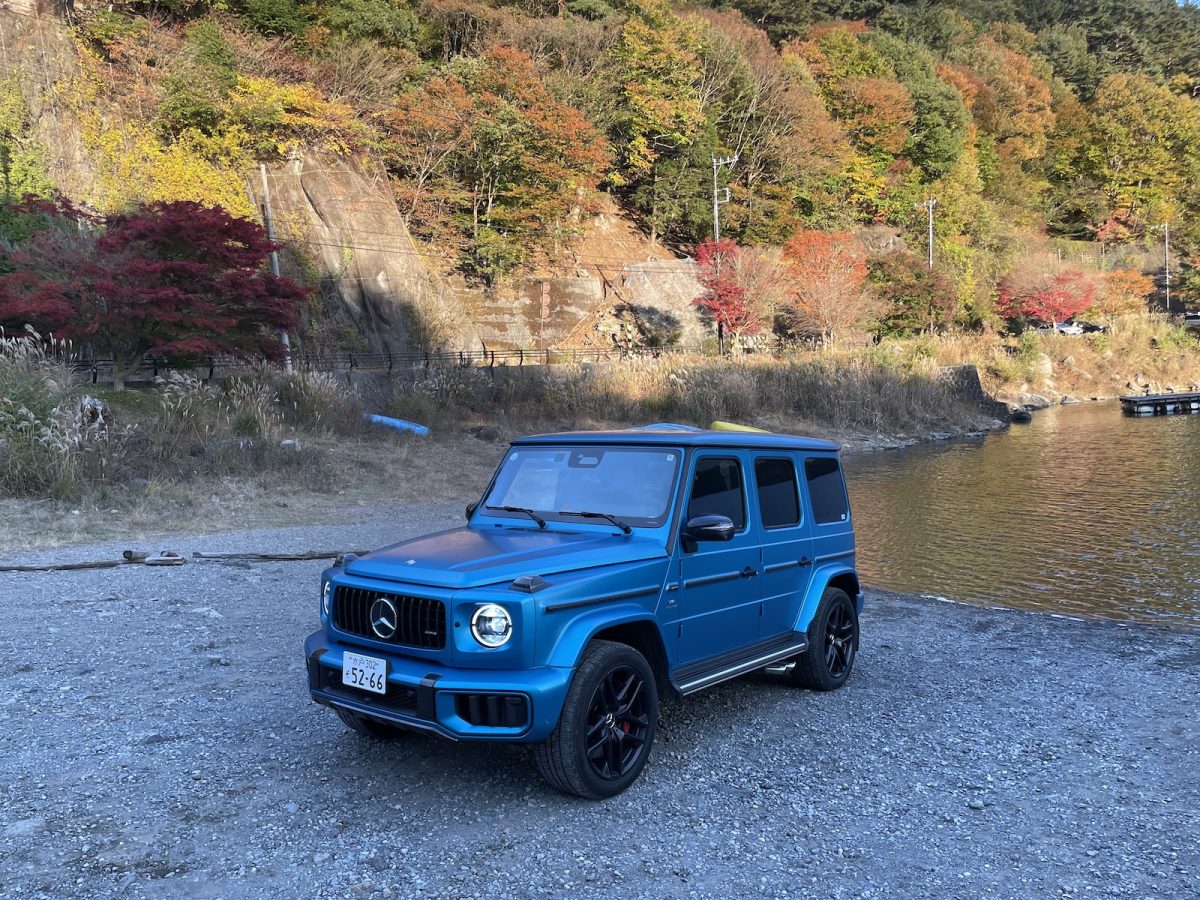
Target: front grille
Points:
(419, 622)
(493, 710)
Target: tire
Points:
(370, 726)
(832, 644)
(607, 725)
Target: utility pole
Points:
(266, 214)
(929, 205)
(1167, 262)
(720, 195)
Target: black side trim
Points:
(730, 665)
(721, 660)
(780, 566)
(604, 598)
(829, 556)
(426, 708)
(712, 579)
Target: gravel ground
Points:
(156, 740)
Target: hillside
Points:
(450, 173)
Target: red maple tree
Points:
(1053, 299)
(724, 299)
(176, 279)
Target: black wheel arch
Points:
(645, 637)
(847, 582)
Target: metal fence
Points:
(349, 361)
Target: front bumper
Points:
(520, 705)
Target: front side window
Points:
(778, 500)
(632, 484)
(717, 490)
(826, 490)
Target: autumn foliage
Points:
(914, 297)
(1055, 298)
(1125, 293)
(175, 279)
(725, 299)
(829, 282)
(488, 153)
(502, 127)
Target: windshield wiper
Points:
(598, 515)
(541, 523)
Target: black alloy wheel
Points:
(618, 723)
(841, 635)
(606, 726)
(832, 644)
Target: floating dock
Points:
(1160, 404)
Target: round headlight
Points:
(491, 625)
(325, 595)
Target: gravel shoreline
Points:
(156, 740)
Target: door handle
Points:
(749, 572)
(804, 562)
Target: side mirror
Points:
(471, 507)
(710, 528)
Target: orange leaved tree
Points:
(1125, 293)
(830, 296)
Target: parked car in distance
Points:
(1061, 328)
(599, 572)
(1191, 321)
(1093, 327)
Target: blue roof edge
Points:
(694, 437)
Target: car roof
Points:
(684, 436)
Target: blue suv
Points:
(600, 572)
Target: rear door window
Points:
(778, 500)
(826, 490)
(717, 490)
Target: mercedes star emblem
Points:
(384, 618)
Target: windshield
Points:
(633, 484)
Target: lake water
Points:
(1084, 512)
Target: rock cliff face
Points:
(36, 47)
(402, 297)
(392, 291)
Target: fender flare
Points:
(816, 588)
(574, 637)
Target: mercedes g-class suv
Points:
(599, 572)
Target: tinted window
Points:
(717, 490)
(827, 491)
(633, 484)
(777, 498)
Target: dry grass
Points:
(839, 394)
(1140, 352)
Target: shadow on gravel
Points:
(496, 775)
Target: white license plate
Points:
(367, 673)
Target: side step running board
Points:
(733, 670)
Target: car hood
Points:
(472, 557)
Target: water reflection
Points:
(1083, 512)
